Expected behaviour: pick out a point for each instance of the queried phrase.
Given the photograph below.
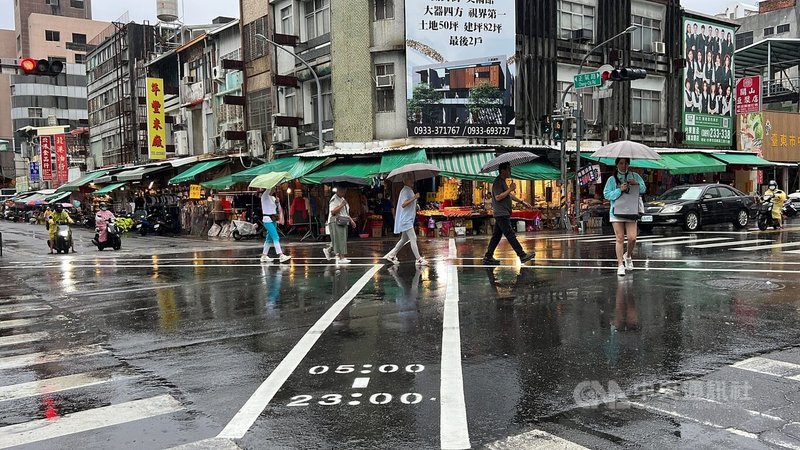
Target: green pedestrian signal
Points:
(558, 129)
(546, 127)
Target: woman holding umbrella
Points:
(406, 213)
(616, 187)
(338, 221)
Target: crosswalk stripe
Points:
(26, 338)
(30, 359)
(795, 252)
(25, 307)
(670, 239)
(729, 244)
(579, 238)
(772, 367)
(22, 323)
(93, 419)
(692, 241)
(57, 384)
(767, 247)
(535, 440)
(639, 239)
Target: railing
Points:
(777, 88)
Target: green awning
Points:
(188, 175)
(466, 166)
(219, 184)
(107, 189)
(637, 163)
(742, 159)
(393, 160)
(686, 163)
(535, 170)
(304, 166)
(360, 168)
(87, 178)
(57, 196)
(278, 165)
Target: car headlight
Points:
(671, 209)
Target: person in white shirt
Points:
(404, 222)
(273, 213)
(338, 210)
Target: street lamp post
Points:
(579, 120)
(316, 79)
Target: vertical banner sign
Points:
(45, 143)
(62, 165)
(708, 83)
(156, 134)
(460, 68)
(748, 95)
(34, 172)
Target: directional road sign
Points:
(589, 79)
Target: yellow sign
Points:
(195, 191)
(156, 134)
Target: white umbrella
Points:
(626, 149)
(419, 171)
(512, 158)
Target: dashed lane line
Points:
(453, 429)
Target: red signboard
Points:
(62, 166)
(47, 164)
(748, 95)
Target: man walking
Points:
(502, 195)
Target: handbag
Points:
(629, 205)
(342, 221)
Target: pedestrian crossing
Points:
(53, 389)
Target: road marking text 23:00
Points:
(381, 398)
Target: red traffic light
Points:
(32, 66)
(28, 65)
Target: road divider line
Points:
(16, 339)
(32, 359)
(452, 252)
(729, 244)
(245, 417)
(93, 419)
(57, 384)
(454, 431)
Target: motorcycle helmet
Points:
(103, 206)
(59, 208)
(773, 184)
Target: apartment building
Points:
(23, 9)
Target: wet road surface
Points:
(153, 349)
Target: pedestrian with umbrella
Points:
(625, 186)
(502, 195)
(272, 214)
(406, 210)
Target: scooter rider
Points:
(778, 198)
(101, 220)
(58, 216)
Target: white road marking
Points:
(638, 239)
(638, 269)
(771, 367)
(671, 239)
(692, 241)
(729, 244)
(692, 261)
(361, 383)
(452, 253)
(22, 323)
(674, 414)
(57, 384)
(26, 338)
(767, 247)
(165, 266)
(579, 238)
(244, 419)
(153, 287)
(453, 432)
(93, 419)
(534, 440)
(25, 307)
(31, 359)
(742, 433)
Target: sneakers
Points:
(283, 258)
(266, 259)
(628, 261)
(392, 259)
(342, 261)
(327, 252)
(621, 271)
(422, 261)
(489, 261)
(527, 257)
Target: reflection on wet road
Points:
(155, 351)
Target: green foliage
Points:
(419, 105)
(485, 103)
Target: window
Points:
(34, 112)
(769, 31)
(53, 36)
(384, 9)
(588, 101)
(744, 39)
(727, 192)
(318, 18)
(255, 47)
(783, 28)
(259, 110)
(646, 106)
(80, 58)
(286, 20)
(574, 16)
(384, 96)
(76, 4)
(289, 96)
(647, 32)
(78, 38)
(327, 99)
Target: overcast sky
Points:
(202, 11)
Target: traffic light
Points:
(624, 74)
(558, 129)
(546, 128)
(32, 66)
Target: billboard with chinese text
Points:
(708, 83)
(772, 135)
(62, 164)
(156, 134)
(45, 157)
(459, 68)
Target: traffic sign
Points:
(589, 79)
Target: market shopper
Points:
(338, 221)
(404, 222)
(615, 187)
(502, 195)
(272, 215)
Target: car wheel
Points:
(742, 217)
(691, 221)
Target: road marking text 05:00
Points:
(381, 398)
(350, 368)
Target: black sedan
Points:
(695, 205)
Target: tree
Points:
(421, 105)
(486, 104)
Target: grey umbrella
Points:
(626, 149)
(419, 171)
(512, 158)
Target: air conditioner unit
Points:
(384, 81)
(218, 73)
(281, 134)
(582, 35)
(254, 143)
(181, 143)
(659, 48)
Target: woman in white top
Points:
(338, 210)
(273, 213)
(404, 218)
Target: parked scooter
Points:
(243, 229)
(790, 209)
(63, 241)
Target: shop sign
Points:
(772, 135)
(589, 175)
(156, 133)
(748, 95)
(195, 191)
(45, 142)
(62, 165)
(34, 170)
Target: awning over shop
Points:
(57, 196)
(304, 166)
(197, 169)
(393, 160)
(637, 163)
(742, 159)
(686, 163)
(132, 174)
(278, 165)
(219, 184)
(359, 168)
(108, 189)
(87, 178)
(466, 166)
(32, 199)
(535, 170)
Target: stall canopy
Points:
(304, 166)
(687, 163)
(57, 196)
(197, 169)
(394, 160)
(742, 159)
(132, 174)
(219, 184)
(108, 189)
(466, 166)
(638, 163)
(87, 178)
(535, 170)
(359, 168)
(278, 165)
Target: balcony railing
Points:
(780, 88)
